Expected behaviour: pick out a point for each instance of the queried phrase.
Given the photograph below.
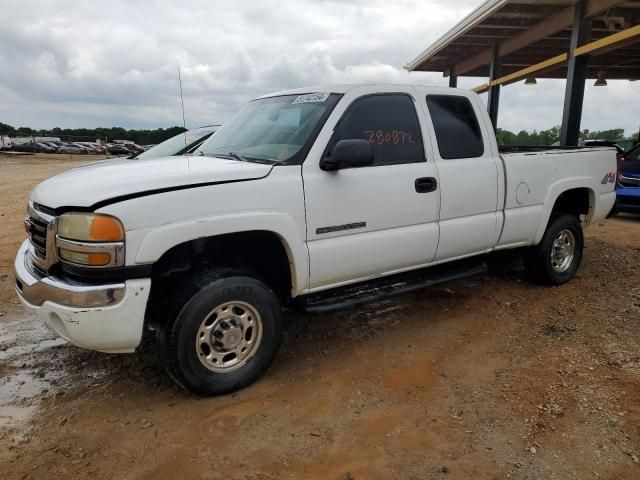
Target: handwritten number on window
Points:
(395, 137)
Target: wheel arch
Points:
(271, 225)
(575, 196)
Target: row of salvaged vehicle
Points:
(78, 148)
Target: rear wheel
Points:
(557, 257)
(224, 333)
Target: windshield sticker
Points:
(311, 98)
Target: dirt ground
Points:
(487, 378)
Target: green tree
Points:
(7, 129)
(552, 135)
(613, 134)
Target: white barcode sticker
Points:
(311, 98)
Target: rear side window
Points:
(389, 123)
(456, 126)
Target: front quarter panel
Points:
(156, 223)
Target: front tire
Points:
(223, 334)
(557, 257)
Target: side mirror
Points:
(350, 153)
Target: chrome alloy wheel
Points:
(563, 251)
(229, 336)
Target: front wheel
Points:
(224, 334)
(557, 257)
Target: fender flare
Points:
(161, 239)
(558, 188)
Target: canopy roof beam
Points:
(548, 64)
(602, 46)
(539, 31)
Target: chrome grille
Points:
(40, 227)
(38, 235)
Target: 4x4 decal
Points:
(609, 178)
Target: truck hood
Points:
(109, 181)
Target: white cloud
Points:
(86, 64)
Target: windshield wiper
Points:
(240, 158)
(250, 160)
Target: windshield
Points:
(176, 145)
(273, 129)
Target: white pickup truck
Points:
(315, 198)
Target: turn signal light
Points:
(105, 229)
(82, 258)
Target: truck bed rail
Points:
(534, 148)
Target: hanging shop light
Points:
(601, 81)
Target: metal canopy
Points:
(527, 33)
(510, 40)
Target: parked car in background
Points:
(85, 148)
(21, 147)
(51, 145)
(70, 148)
(62, 147)
(44, 148)
(97, 149)
(628, 186)
(33, 147)
(82, 150)
(132, 147)
(54, 144)
(181, 144)
(116, 149)
(91, 150)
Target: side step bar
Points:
(343, 298)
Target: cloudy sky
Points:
(114, 63)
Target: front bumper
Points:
(108, 317)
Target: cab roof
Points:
(341, 88)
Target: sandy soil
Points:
(18, 176)
(487, 378)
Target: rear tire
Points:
(557, 257)
(223, 334)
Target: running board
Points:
(343, 298)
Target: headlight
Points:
(90, 227)
(90, 239)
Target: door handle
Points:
(426, 184)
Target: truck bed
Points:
(535, 178)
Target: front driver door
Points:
(368, 221)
